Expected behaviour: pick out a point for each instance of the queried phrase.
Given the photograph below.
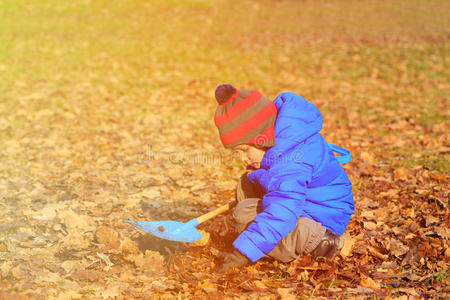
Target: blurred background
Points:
(90, 91)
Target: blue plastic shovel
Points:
(179, 231)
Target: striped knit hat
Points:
(244, 117)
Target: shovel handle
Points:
(216, 212)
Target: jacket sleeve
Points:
(282, 206)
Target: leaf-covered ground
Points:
(106, 115)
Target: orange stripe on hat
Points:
(238, 108)
(247, 126)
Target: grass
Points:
(440, 163)
(382, 61)
(442, 276)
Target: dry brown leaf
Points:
(70, 265)
(391, 193)
(395, 247)
(401, 174)
(368, 214)
(348, 244)
(368, 157)
(18, 273)
(137, 259)
(447, 253)
(153, 261)
(259, 284)
(108, 237)
(47, 213)
(207, 286)
(286, 294)
(86, 275)
(151, 193)
(429, 220)
(75, 221)
(369, 283)
(370, 225)
(110, 292)
(129, 247)
(439, 177)
(106, 260)
(6, 268)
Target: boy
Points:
(298, 199)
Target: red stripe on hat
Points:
(235, 110)
(265, 136)
(248, 125)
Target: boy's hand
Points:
(232, 260)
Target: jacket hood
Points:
(297, 120)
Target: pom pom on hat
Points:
(224, 92)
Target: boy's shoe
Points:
(330, 246)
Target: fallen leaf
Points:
(70, 265)
(429, 220)
(151, 193)
(106, 260)
(370, 225)
(47, 213)
(153, 261)
(395, 247)
(18, 273)
(77, 241)
(286, 294)
(348, 245)
(401, 174)
(86, 275)
(369, 283)
(162, 284)
(111, 292)
(376, 253)
(108, 237)
(129, 247)
(439, 177)
(137, 259)
(207, 286)
(447, 253)
(74, 221)
(368, 157)
(368, 214)
(5, 268)
(259, 284)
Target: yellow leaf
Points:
(369, 283)
(285, 293)
(348, 245)
(207, 286)
(128, 246)
(401, 173)
(108, 237)
(260, 284)
(204, 240)
(370, 225)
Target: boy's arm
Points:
(282, 206)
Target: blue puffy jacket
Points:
(300, 176)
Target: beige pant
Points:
(302, 240)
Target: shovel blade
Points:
(171, 230)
